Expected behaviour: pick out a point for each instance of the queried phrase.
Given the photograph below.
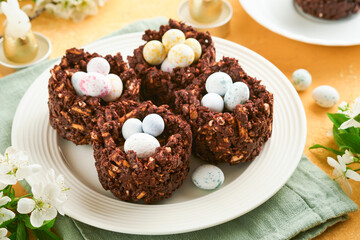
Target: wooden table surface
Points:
(335, 66)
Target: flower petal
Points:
(8, 179)
(2, 186)
(6, 214)
(332, 162)
(3, 232)
(342, 163)
(353, 175)
(25, 205)
(36, 218)
(4, 200)
(356, 107)
(349, 123)
(347, 188)
(49, 213)
(23, 172)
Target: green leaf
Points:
(351, 141)
(12, 227)
(21, 232)
(338, 139)
(338, 118)
(47, 225)
(13, 236)
(327, 148)
(357, 118)
(45, 234)
(7, 222)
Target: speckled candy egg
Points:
(238, 93)
(181, 55)
(166, 66)
(172, 37)
(130, 127)
(208, 177)
(154, 52)
(301, 79)
(213, 101)
(99, 65)
(142, 143)
(75, 80)
(95, 85)
(325, 96)
(195, 46)
(153, 124)
(116, 88)
(219, 83)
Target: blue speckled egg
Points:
(218, 82)
(301, 79)
(208, 177)
(238, 93)
(153, 124)
(75, 80)
(142, 143)
(325, 96)
(130, 127)
(213, 101)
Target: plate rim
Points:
(214, 223)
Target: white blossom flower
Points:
(48, 198)
(352, 113)
(4, 200)
(15, 166)
(341, 173)
(343, 107)
(6, 215)
(348, 157)
(3, 234)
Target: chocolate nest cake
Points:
(230, 137)
(159, 86)
(73, 116)
(329, 9)
(149, 179)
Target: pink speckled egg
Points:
(95, 85)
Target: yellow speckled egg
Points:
(154, 52)
(172, 37)
(195, 45)
(181, 55)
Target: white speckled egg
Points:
(94, 84)
(153, 124)
(166, 66)
(172, 37)
(116, 88)
(301, 79)
(219, 83)
(142, 143)
(238, 93)
(208, 177)
(99, 65)
(130, 127)
(154, 52)
(213, 101)
(325, 96)
(75, 80)
(181, 55)
(195, 46)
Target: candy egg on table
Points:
(213, 101)
(238, 93)
(208, 177)
(99, 65)
(172, 37)
(154, 52)
(75, 80)
(195, 46)
(153, 124)
(142, 143)
(181, 55)
(218, 82)
(325, 96)
(94, 84)
(166, 66)
(301, 79)
(130, 127)
(116, 88)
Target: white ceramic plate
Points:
(246, 185)
(286, 18)
(43, 53)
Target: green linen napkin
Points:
(309, 202)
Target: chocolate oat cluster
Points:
(230, 136)
(130, 177)
(159, 86)
(74, 116)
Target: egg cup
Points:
(74, 116)
(149, 179)
(159, 86)
(227, 137)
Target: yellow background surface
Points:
(335, 66)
